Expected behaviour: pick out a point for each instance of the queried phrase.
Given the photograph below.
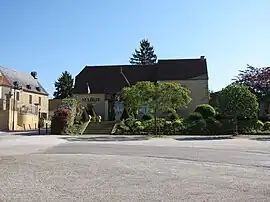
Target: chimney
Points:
(202, 58)
(34, 75)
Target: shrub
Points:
(125, 114)
(85, 116)
(147, 117)
(173, 115)
(194, 116)
(195, 127)
(266, 126)
(60, 120)
(78, 119)
(259, 125)
(205, 110)
(213, 125)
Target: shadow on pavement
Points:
(261, 139)
(105, 138)
(203, 138)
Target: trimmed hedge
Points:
(206, 110)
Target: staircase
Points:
(102, 128)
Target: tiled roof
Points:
(26, 81)
(109, 79)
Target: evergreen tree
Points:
(145, 55)
(63, 86)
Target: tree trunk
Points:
(236, 126)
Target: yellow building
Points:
(22, 100)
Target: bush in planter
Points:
(266, 126)
(60, 120)
(206, 110)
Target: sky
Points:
(56, 35)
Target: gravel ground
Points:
(156, 170)
(123, 178)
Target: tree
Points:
(145, 55)
(160, 96)
(63, 86)
(257, 79)
(238, 101)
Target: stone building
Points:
(98, 85)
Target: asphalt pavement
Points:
(60, 169)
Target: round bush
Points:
(259, 125)
(194, 116)
(213, 125)
(205, 110)
(266, 125)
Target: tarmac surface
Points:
(53, 168)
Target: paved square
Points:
(52, 169)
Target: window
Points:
(39, 101)
(30, 99)
(18, 96)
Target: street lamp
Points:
(14, 87)
(39, 125)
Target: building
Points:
(22, 100)
(98, 84)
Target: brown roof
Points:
(108, 79)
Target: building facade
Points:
(98, 85)
(22, 100)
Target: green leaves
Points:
(238, 101)
(161, 96)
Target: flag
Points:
(88, 88)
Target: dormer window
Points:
(38, 89)
(28, 86)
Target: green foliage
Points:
(205, 110)
(90, 110)
(125, 114)
(213, 125)
(78, 119)
(195, 127)
(259, 125)
(147, 117)
(172, 115)
(194, 116)
(237, 101)
(161, 96)
(267, 126)
(63, 86)
(85, 116)
(145, 55)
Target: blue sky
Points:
(56, 35)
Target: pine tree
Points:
(63, 86)
(145, 55)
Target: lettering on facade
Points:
(91, 99)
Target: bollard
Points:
(46, 129)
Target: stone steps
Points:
(104, 127)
